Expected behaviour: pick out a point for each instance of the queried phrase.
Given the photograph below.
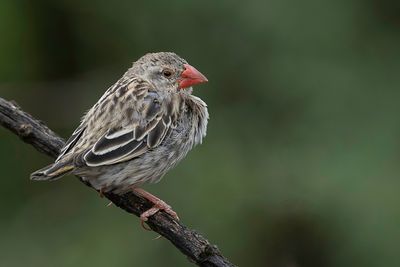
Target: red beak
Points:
(190, 76)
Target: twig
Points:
(198, 249)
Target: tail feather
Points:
(52, 172)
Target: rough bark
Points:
(197, 248)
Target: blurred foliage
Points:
(300, 166)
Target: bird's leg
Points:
(158, 205)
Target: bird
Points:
(139, 129)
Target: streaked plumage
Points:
(139, 129)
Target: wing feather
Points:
(113, 156)
(155, 137)
(107, 144)
(71, 142)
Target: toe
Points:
(172, 213)
(144, 225)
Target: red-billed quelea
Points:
(139, 129)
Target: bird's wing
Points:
(149, 122)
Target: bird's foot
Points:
(158, 205)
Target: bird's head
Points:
(168, 71)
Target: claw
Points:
(101, 192)
(158, 237)
(144, 225)
(158, 205)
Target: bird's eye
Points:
(167, 73)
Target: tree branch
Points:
(193, 245)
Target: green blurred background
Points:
(301, 163)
